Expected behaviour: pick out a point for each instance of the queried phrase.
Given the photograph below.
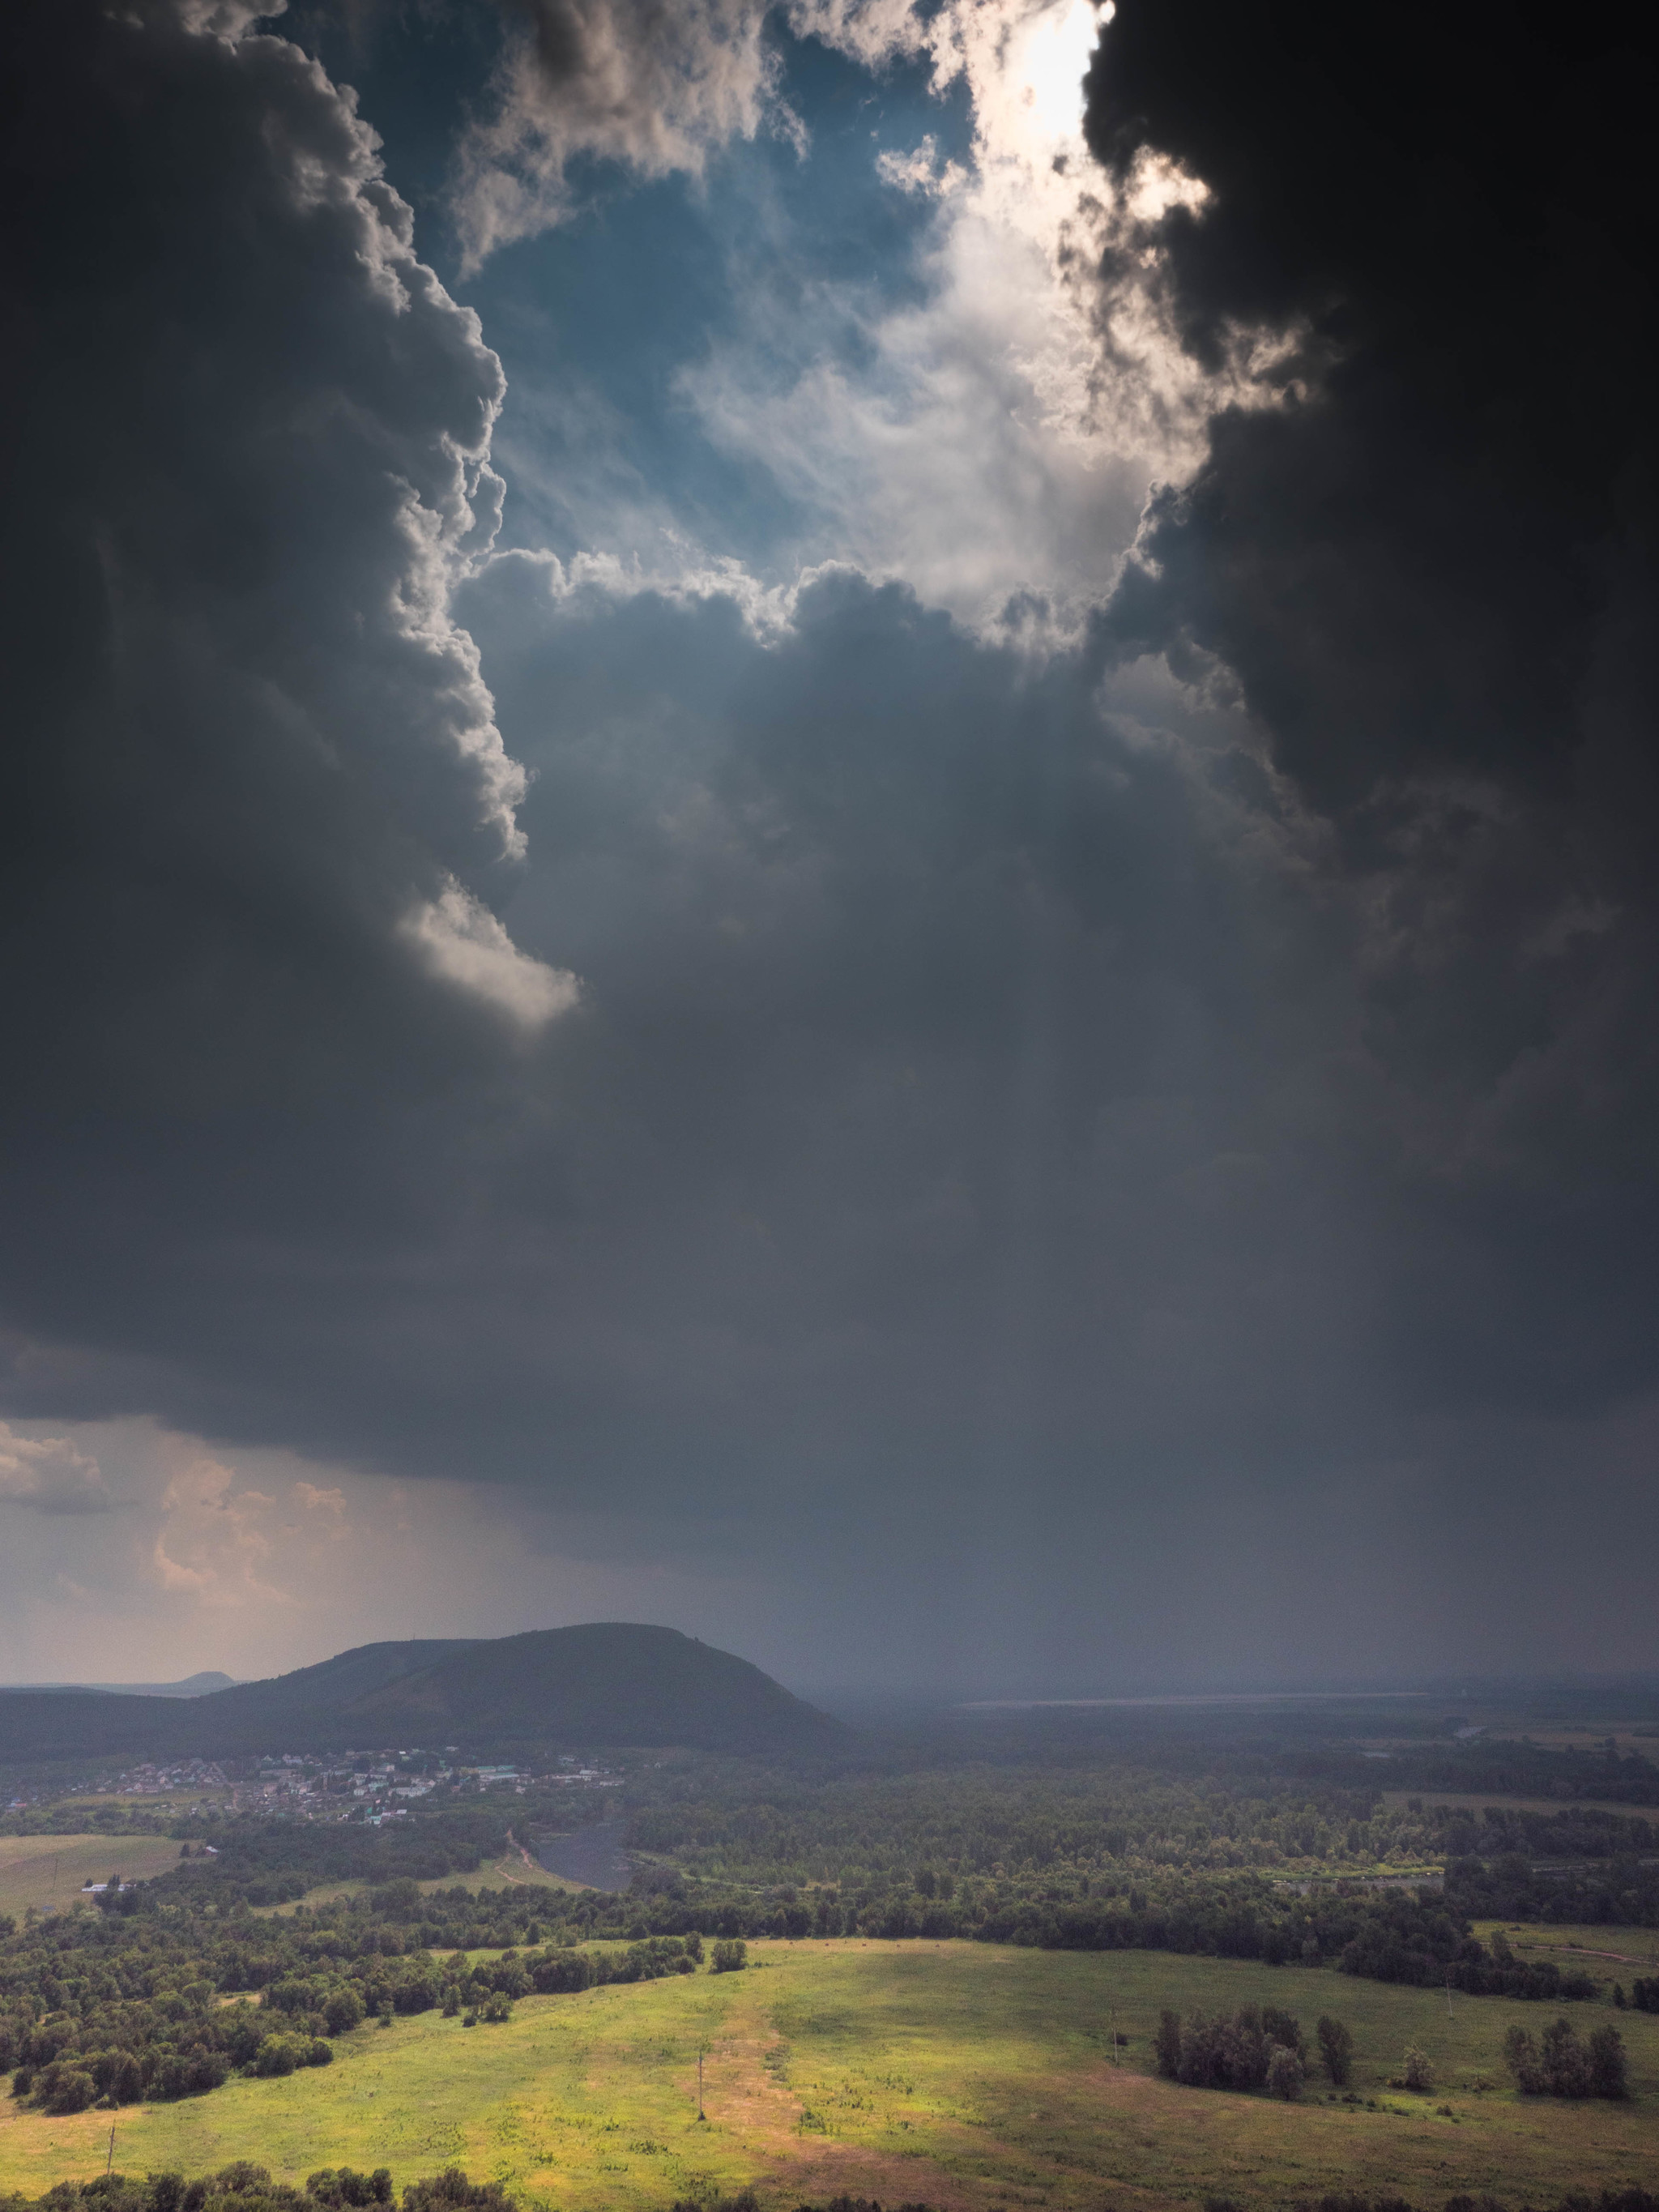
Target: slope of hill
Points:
(610, 1682)
(332, 1686)
(606, 1683)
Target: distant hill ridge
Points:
(616, 1683)
(193, 1685)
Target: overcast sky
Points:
(833, 822)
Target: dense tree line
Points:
(244, 2187)
(1606, 1890)
(1260, 2048)
(745, 1823)
(741, 1823)
(1503, 1767)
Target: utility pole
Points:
(1113, 2020)
(701, 2115)
(1449, 1992)
(110, 2160)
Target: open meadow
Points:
(964, 2075)
(48, 1871)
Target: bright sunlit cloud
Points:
(462, 943)
(976, 445)
(1048, 55)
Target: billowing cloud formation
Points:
(50, 1474)
(972, 436)
(246, 741)
(653, 84)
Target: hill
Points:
(606, 1683)
(193, 1685)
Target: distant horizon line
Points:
(1195, 1698)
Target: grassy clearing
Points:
(48, 1871)
(964, 2075)
(508, 1872)
(1590, 1949)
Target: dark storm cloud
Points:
(1414, 567)
(249, 764)
(1431, 566)
(1022, 1114)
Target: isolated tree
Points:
(1608, 2077)
(1419, 2074)
(1335, 2048)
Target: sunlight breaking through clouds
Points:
(979, 443)
(976, 445)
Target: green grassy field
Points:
(962, 2075)
(1611, 1953)
(47, 1871)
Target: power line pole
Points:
(701, 2115)
(110, 2160)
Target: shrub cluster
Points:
(1562, 2063)
(1260, 2048)
(245, 2187)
